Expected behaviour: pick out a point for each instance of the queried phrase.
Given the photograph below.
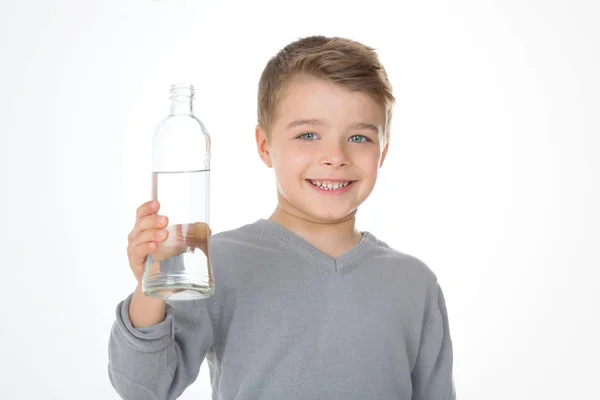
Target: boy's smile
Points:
(331, 187)
(326, 145)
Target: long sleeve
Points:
(161, 361)
(432, 376)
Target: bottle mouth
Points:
(182, 89)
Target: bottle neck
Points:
(182, 105)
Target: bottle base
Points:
(176, 288)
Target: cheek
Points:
(290, 164)
(368, 159)
(289, 168)
(369, 166)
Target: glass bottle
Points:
(180, 268)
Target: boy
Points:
(305, 306)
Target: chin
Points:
(331, 217)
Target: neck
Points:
(333, 238)
(181, 105)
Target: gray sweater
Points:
(289, 322)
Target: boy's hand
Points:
(147, 233)
(152, 235)
(182, 237)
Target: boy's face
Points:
(324, 135)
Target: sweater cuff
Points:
(149, 339)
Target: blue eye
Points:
(307, 136)
(359, 139)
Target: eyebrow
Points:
(301, 122)
(370, 127)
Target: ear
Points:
(262, 145)
(383, 154)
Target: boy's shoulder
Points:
(237, 242)
(246, 234)
(388, 257)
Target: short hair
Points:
(341, 61)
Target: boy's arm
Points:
(432, 376)
(159, 361)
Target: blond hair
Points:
(341, 61)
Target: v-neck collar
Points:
(310, 253)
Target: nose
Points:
(334, 155)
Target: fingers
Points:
(151, 235)
(146, 242)
(147, 208)
(194, 236)
(191, 234)
(147, 233)
(197, 231)
(141, 251)
(153, 221)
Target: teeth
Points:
(330, 185)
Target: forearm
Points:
(433, 373)
(145, 311)
(139, 365)
(149, 362)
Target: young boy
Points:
(305, 305)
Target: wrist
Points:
(145, 311)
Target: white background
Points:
(492, 177)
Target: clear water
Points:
(180, 268)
